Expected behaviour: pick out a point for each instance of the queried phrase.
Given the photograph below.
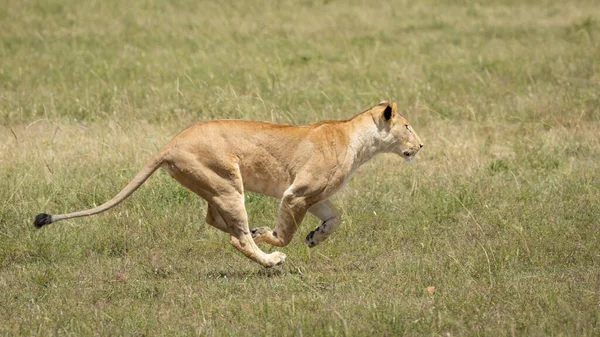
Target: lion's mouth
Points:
(409, 155)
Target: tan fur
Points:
(303, 166)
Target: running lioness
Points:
(301, 165)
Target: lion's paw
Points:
(275, 258)
(259, 231)
(310, 240)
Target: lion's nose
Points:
(421, 145)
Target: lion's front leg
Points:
(330, 218)
(292, 210)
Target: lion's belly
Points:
(263, 188)
(264, 175)
(264, 184)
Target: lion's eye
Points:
(407, 127)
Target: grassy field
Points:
(500, 212)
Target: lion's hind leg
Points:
(224, 191)
(234, 215)
(214, 219)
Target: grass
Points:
(500, 212)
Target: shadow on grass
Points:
(275, 272)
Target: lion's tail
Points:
(153, 164)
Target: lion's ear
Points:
(382, 114)
(387, 113)
(388, 110)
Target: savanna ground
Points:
(500, 212)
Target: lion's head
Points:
(396, 133)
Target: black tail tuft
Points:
(42, 219)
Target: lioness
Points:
(303, 166)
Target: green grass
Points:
(500, 212)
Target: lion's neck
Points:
(365, 141)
